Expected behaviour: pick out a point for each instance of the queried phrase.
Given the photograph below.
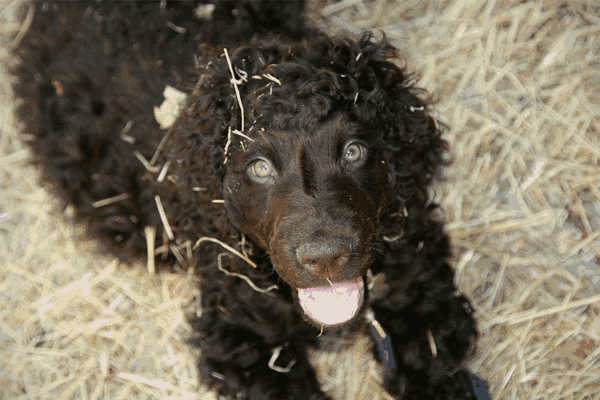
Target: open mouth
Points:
(334, 304)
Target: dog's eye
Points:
(354, 154)
(262, 171)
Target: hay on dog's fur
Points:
(518, 85)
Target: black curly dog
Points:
(319, 152)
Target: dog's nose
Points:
(323, 258)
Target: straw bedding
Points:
(517, 83)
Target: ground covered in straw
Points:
(517, 83)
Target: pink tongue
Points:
(334, 304)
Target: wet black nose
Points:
(324, 258)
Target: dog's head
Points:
(334, 141)
(313, 198)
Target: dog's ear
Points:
(192, 155)
(412, 142)
(414, 147)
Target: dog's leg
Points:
(426, 351)
(423, 323)
(239, 363)
(253, 345)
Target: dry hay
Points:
(518, 85)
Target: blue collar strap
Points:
(480, 388)
(383, 342)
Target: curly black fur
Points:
(90, 74)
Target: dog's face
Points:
(313, 200)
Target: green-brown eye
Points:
(354, 154)
(261, 171)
